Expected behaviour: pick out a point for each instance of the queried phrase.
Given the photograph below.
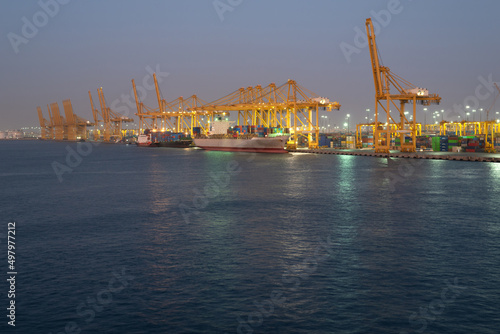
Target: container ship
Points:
(164, 139)
(242, 138)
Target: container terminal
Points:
(292, 110)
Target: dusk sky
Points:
(211, 48)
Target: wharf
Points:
(481, 157)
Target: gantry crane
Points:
(148, 117)
(286, 106)
(75, 125)
(171, 116)
(70, 128)
(45, 125)
(384, 80)
(58, 122)
(97, 120)
(165, 117)
(112, 120)
(186, 119)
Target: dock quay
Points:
(481, 157)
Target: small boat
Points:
(144, 140)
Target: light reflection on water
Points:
(392, 249)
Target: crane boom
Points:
(95, 112)
(377, 78)
(404, 92)
(160, 104)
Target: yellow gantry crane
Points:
(70, 121)
(148, 117)
(286, 106)
(95, 113)
(174, 115)
(186, 119)
(45, 125)
(384, 80)
(72, 128)
(58, 122)
(75, 125)
(111, 120)
(169, 116)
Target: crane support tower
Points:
(97, 119)
(403, 92)
(58, 122)
(76, 126)
(45, 125)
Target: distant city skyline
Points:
(54, 50)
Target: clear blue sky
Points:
(441, 45)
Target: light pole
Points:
(480, 114)
(473, 115)
(467, 114)
(348, 115)
(425, 116)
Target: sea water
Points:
(124, 239)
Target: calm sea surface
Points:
(159, 240)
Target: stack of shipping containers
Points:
(167, 136)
